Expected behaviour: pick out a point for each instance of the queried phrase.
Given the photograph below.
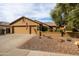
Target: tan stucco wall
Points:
(3, 27)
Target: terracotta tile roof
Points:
(4, 23)
(41, 22)
(51, 23)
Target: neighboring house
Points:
(24, 25)
(4, 28)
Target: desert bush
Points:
(42, 28)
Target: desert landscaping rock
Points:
(51, 45)
(31, 45)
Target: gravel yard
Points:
(21, 44)
(54, 44)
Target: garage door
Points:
(21, 30)
(34, 30)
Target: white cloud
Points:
(9, 12)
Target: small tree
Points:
(71, 14)
(73, 19)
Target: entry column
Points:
(4, 30)
(30, 29)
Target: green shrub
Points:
(42, 28)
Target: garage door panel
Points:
(21, 30)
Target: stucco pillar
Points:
(4, 30)
(10, 30)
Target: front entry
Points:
(7, 30)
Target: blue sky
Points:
(36, 11)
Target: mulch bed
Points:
(51, 45)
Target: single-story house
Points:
(24, 25)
